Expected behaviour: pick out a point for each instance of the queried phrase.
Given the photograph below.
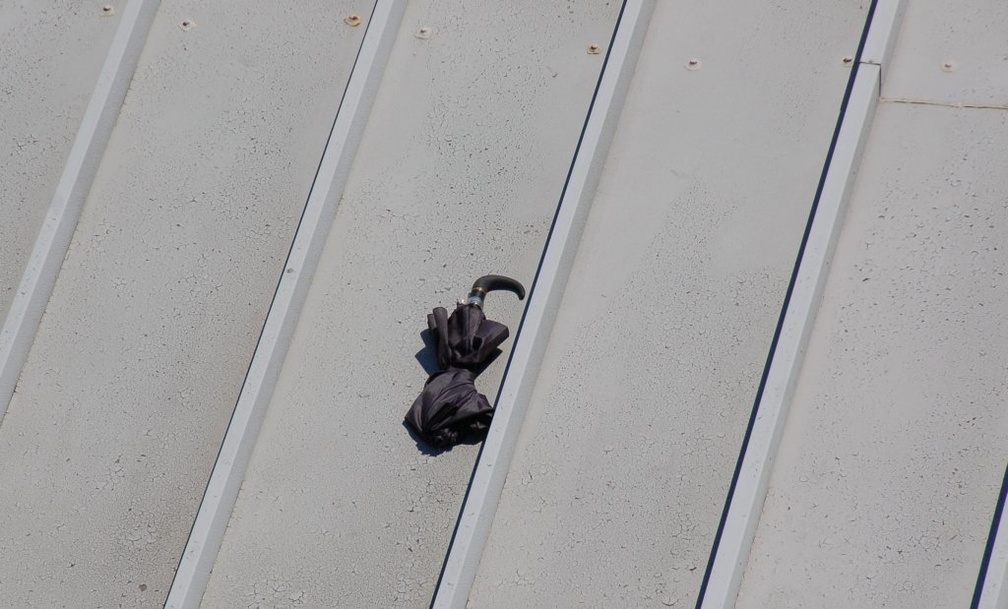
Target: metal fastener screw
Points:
(693, 64)
(594, 49)
(423, 33)
(187, 25)
(108, 10)
(352, 20)
(848, 61)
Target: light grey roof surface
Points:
(882, 493)
(461, 180)
(647, 168)
(42, 101)
(646, 388)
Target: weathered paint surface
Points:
(887, 475)
(139, 359)
(458, 175)
(890, 467)
(951, 53)
(625, 458)
(50, 55)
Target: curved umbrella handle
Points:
(489, 283)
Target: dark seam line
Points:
(941, 104)
(989, 550)
(532, 288)
(262, 329)
(787, 302)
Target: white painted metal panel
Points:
(884, 29)
(111, 435)
(634, 428)
(458, 174)
(25, 309)
(476, 518)
(891, 463)
(951, 53)
(748, 493)
(747, 497)
(50, 56)
(204, 542)
(890, 468)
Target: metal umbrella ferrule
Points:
(489, 283)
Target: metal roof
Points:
(761, 362)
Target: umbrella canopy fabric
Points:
(449, 408)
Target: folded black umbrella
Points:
(450, 408)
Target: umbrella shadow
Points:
(427, 357)
(431, 451)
